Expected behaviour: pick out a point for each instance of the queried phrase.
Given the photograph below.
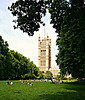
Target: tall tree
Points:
(70, 35)
(3, 58)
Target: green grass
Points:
(42, 91)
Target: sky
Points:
(21, 42)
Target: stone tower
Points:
(44, 54)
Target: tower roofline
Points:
(39, 35)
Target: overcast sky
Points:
(21, 42)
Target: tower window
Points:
(43, 52)
(43, 63)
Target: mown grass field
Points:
(42, 91)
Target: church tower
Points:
(44, 54)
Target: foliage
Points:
(65, 78)
(68, 20)
(27, 76)
(29, 14)
(58, 77)
(48, 75)
(44, 77)
(4, 56)
(14, 65)
(40, 75)
(73, 78)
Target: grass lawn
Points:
(42, 91)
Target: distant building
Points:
(44, 55)
(55, 71)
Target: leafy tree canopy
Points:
(48, 75)
(29, 14)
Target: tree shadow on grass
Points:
(73, 91)
(78, 86)
(82, 82)
(60, 96)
